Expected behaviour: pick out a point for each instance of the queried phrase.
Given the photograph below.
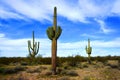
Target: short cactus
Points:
(53, 34)
(88, 51)
(33, 48)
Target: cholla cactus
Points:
(53, 34)
(88, 51)
(33, 48)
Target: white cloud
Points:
(93, 8)
(6, 14)
(18, 47)
(106, 44)
(116, 7)
(103, 28)
(90, 36)
(2, 35)
(78, 10)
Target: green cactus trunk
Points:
(89, 60)
(53, 34)
(54, 54)
(88, 51)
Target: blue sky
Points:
(98, 20)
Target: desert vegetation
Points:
(36, 67)
(68, 68)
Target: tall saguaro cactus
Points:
(88, 51)
(53, 34)
(34, 47)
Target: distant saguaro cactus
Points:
(34, 47)
(53, 34)
(88, 51)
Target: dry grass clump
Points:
(90, 78)
(64, 78)
(34, 70)
(113, 64)
(110, 74)
(72, 73)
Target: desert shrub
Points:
(110, 74)
(86, 78)
(24, 63)
(63, 72)
(84, 65)
(43, 67)
(90, 78)
(64, 78)
(59, 62)
(107, 67)
(99, 65)
(46, 60)
(71, 61)
(35, 70)
(48, 73)
(59, 70)
(66, 66)
(9, 71)
(113, 64)
(72, 73)
(19, 68)
(79, 65)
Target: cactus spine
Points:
(53, 34)
(34, 47)
(88, 51)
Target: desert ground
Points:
(109, 70)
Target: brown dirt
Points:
(96, 71)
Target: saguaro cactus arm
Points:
(58, 33)
(50, 33)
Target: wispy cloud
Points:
(40, 10)
(7, 14)
(90, 36)
(103, 27)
